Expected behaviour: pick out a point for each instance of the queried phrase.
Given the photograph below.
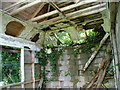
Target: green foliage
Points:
(76, 51)
(10, 67)
(90, 42)
(64, 38)
(52, 57)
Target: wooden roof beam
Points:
(80, 13)
(62, 9)
(86, 27)
(57, 8)
(38, 10)
(26, 7)
(15, 4)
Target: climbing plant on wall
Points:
(10, 67)
(49, 55)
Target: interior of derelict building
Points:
(60, 44)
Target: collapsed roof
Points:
(53, 16)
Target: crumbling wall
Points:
(69, 69)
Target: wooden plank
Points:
(7, 40)
(95, 52)
(28, 68)
(26, 7)
(102, 69)
(105, 63)
(22, 67)
(62, 9)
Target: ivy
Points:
(52, 56)
(76, 51)
(10, 67)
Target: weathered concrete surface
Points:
(70, 73)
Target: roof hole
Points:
(35, 38)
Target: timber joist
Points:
(74, 15)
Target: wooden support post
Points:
(22, 67)
(113, 15)
(29, 68)
(116, 59)
(33, 68)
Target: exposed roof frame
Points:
(73, 15)
(62, 9)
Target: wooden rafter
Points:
(26, 7)
(37, 11)
(15, 5)
(62, 9)
(71, 16)
(57, 8)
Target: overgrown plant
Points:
(10, 67)
(46, 56)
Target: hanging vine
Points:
(49, 55)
